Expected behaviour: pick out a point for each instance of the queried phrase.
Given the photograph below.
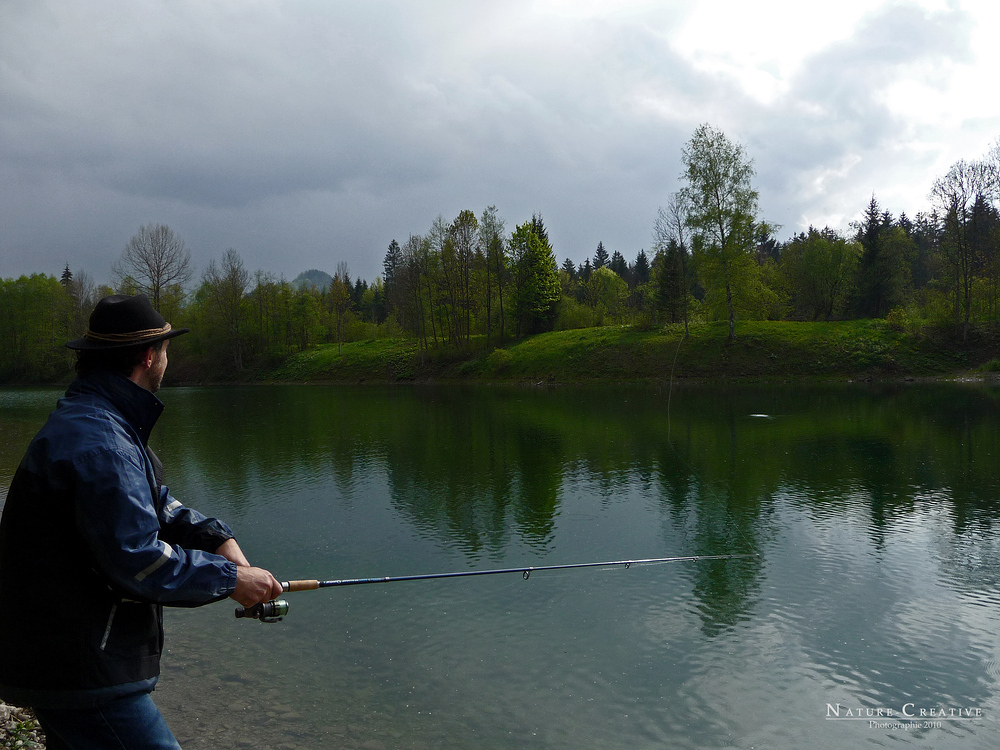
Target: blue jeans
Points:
(132, 722)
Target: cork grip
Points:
(300, 585)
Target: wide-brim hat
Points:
(119, 321)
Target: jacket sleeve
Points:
(184, 526)
(117, 517)
(189, 528)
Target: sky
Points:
(306, 133)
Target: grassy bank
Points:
(761, 351)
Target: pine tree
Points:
(619, 265)
(537, 289)
(640, 270)
(600, 256)
(538, 227)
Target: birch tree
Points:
(722, 210)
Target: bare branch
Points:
(154, 260)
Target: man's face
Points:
(158, 367)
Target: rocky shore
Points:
(18, 728)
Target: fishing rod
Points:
(275, 609)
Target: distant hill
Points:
(312, 278)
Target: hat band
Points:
(136, 336)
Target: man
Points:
(92, 545)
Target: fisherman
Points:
(92, 534)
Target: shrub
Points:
(499, 360)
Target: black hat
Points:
(119, 321)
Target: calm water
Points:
(874, 512)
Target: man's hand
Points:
(254, 585)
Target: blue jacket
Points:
(91, 546)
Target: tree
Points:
(154, 260)
(882, 267)
(640, 269)
(818, 268)
(340, 300)
(372, 304)
(409, 305)
(671, 254)
(670, 289)
(538, 227)
(722, 208)
(463, 235)
(619, 265)
(224, 290)
(391, 268)
(606, 292)
(33, 327)
(600, 256)
(536, 291)
(960, 198)
(492, 245)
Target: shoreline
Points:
(763, 352)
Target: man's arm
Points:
(118, 520)
(189, 528)
(230, 550)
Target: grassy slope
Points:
(762, 350)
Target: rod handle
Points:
(299, 585)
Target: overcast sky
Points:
(305, 133)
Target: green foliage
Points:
(817, 271)
(992, 365)
(36, 320)
(721, 208)
(467, 286)
(572, 314)
(765, 350)
(882, 269)
(898, 319)
(536, 285)
(498, 361)
(671, 282)
(606, 293)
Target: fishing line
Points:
(708, 488)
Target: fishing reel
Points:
(271, 611)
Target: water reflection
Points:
(873, 510)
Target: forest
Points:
(472, 283)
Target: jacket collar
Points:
(139, 407)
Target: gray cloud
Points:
(306, 133)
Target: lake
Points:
(869, 614)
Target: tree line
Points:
(470, 283)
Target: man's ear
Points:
(147, 357)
